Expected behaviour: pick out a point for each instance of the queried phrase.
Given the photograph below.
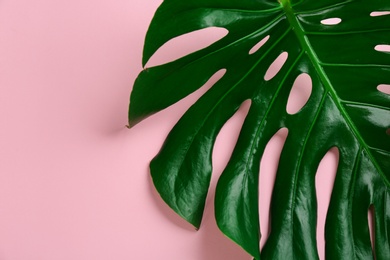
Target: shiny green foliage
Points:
(345, 110)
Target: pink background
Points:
(74, 182)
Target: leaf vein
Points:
(300, 157)
(347, 33)
(323, 64)
(325, 8)
(357, 104)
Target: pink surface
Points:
(74, 182)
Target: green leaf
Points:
(345, 110)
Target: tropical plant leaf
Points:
(345, 110)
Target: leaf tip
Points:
(144, 61)
(132, 122)
(147, 54)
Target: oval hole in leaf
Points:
(371, 227)
(382, 48)
(185, 44)
(331, 21)
(379, 13)
(259, 45)
(325, 176)
(275, 67)
(388, 131)
(384, 88)
(268, 168)
(299, 94)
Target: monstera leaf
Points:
(345, 110)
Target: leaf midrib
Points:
(303, 40)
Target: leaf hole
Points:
(259, 45)
(371, 227)
(382, 48)
(268, 168)
(299, 94)
(324, 181)
(185, 44)
(379, 13)
(331, 21)
(384, 88)
(276, 66)
(388, 131)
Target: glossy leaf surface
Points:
(345, 110)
